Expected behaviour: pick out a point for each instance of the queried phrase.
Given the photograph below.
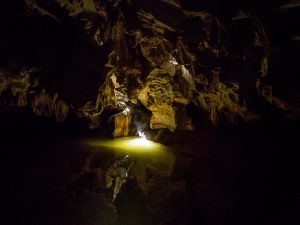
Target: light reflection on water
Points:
(129, 145)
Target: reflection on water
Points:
(128, 145)
(146, 170)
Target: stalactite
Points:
(23, 89)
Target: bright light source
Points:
(140, 143)
(130, 145)
(142, 135)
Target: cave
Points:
(139, 112)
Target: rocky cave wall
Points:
(163, 65)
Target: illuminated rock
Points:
(163, 116)
(164, 56)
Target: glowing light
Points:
(142, 135)
(138, 145)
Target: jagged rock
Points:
(184, 122)
(24, 89)
(17, 84)
(163, 116)
(157, 60)
(156, 50)
(175, 3)
(158, 97)
(241, 14)
(44, 105)
(290, 5)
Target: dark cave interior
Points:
(213, 85)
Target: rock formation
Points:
(165, 64)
